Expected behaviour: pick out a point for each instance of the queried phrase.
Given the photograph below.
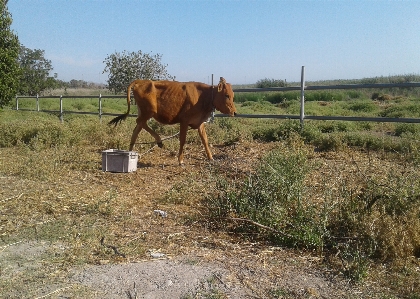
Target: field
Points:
(328, 211)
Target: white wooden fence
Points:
(301, 116)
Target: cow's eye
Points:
(227, 96)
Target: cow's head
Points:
(223, 101)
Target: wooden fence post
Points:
(302, 96)
(17, 103)
(37, 102)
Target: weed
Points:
(280, 294)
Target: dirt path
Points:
(203, 275)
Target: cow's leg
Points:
(136, 132)
(154, 134)
(203, 135)
(183, 128)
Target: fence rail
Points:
(339, 86)
(301, 116)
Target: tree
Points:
(9, 52)
(265, 83)
(78, 83)
(125, 67)
(35, 70)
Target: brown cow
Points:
(190, 104)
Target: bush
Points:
(47, 133)
(324, 96)
(272, 196)
(378, 216)
(241, 97)
(283, 97)
(402, 109)
(404, 128)
(354, 94)
(333, 126)
(362, 106)
(280, 132)
(329, 142)
(370, 216)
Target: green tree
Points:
(265, 83)
(78, 83)
(9, 52)
(125, 67)
(35, 72)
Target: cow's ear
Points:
(219, 87)
(221, 83)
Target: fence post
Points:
(302, 96)
(61, 109)
(212, 85)
(17, 103)
(37, 102)
(100, 107)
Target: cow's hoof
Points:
(160, 144)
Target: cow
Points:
(169, 102)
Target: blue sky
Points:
(243, 41)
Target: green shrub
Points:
(329, 142)
(46, 133)
(403, 109)
(359, 220)
(266, 83)
(406, 128)
(362, 106)
(281, 97)
(241, 97)
(324, 96)
(364, 125)
(354, 94)
(226, 130)
(272, 97)
(310, 132)
(291, 107)
(379, 215)
(282, 131)
(333, 126)
(258, 107)
(272, 196)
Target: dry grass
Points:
(59, 195)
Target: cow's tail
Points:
(120, 118)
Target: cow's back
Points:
(169, 102)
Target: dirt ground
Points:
(199, 275)
(182, 259)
